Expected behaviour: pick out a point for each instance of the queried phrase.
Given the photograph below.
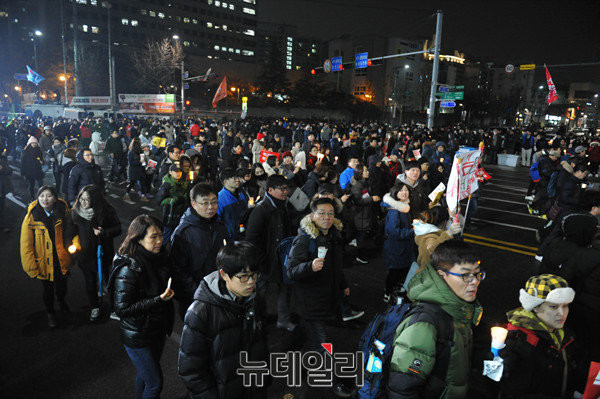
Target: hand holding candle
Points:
(72, 249)
(498, 339)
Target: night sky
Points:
(510, 31)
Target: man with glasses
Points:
(432, 345)
(268, 224)
(220, 325)
(195, 243)
(173, 155)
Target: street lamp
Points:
(541, 87)
(175, 37)
(17, 88)
(62, 77)
(38, 33)
(596, 95)
(406, 66)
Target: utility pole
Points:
(182, 90)
(111, 77)
(75, 60)
(64, 52)
(436, 68)
(113, 87)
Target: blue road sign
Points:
(336, 63)
(447, 104)
(360, 60)
(20, 76)
(186, 86)
(444, 89)
(186, 75)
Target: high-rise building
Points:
(296, 52)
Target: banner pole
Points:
(466, 213)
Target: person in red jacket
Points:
(195, 129)
(594, 154)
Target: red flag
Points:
(221, 92)
(592, 389)
(552, 96)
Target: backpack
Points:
(377, 345)
(552, 183)
(283, 252)
(534, 172)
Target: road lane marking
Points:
(147, 208)
(129, 202)
(504, 224)
(501, 200)
(488, 190)
(511, 179)
(509, 187)
(502, 210)
(512, 244)
(499, 247)
(12, 198)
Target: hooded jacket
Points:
(137, 284)
(43, 249)
(568, 187)
(534, 365)
(193, 250)
(231, 209)
(81, 175)
(317, 294)
(31, 167)
(172, 197)
(218, 326)
(415, 343)
(427, 238)
(398, 247)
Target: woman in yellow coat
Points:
(44, 252)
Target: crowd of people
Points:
(252, 208)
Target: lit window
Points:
(225, 5)
(94, 2)
(143, 12)
(81, 1)
(209, 25)
(125, 21)
(217, 26)
(297, 67)
(288, 67)
(95, 29)
(288, 62)
(218, 3)
(217, 48)
(152, 14)
(230, 50)
(249, 32)
(85, 28)
(249, 11)
(195, 21)
(237, 51)
(161, 15)
(186, 43)
(209, 2)
(224, 27)
(248, 53)
(231, 7)
(186, 20)
(289, 57)
(250, 1)
(289, 39)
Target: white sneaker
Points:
(114, 316)
(94, 314)
(529, 198)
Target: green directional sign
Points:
(453, 95)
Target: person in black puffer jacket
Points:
(220, 325)
(569, 189)
(84, 173)
(139, 278)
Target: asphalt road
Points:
(84, 360)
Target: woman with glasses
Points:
(96, 223)
(222, 323)
(142, 300)
(433, 344)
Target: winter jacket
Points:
(427, 238)
(569, 192)
(545, 168)
(218, 326)
(173, 198)
(97, 148)
(594, 153)
(414, 353)
(398, 247)
(527, 143)
(84, 229)
(311, 187)
(362, 211)
(230, 211)
(6, 185)
(135, 168)
(317, 294)
(419, 200)
(193, 250)
(31, 163)
(267, 225)
(534, 366)
(65, 170)
(114, 146)
(345, 177)
(81, 175)
(43, 248)
(137, 284)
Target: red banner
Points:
(592, 389)
(221, 92)
(264, 154)
(552, 96)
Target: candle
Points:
(224, 242)
(251, 201)
(169, 283)
(298, 163)
(498, 338)
(72, 249)
(191, 175)
(336, 158)
(320, 157)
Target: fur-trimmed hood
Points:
(400, 206)
(310, 228)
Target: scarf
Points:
(526, 319)
(87, 214)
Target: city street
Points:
(84, 360)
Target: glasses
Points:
(207, 204)
(468, 277)
(323, 214)
(245, 277)
(284, 188)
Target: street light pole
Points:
(182, 90)
(436, 68)
(110, 63)
(64, 52)
(75, 57)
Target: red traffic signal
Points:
(313, 72)
(369, 63)
(187, 102)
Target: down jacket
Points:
(218, 326)
(83, 174)
(398, 247)
(137, 284)
(317, 294)
(41, 248)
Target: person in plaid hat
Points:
(538, 356)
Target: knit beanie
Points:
(32, 139)
(545, 288)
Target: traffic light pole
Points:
(182, 90)
(435, 71)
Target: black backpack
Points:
(383, 329)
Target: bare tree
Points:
(156, 65)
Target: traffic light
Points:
(313, 72)
(187, 102)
